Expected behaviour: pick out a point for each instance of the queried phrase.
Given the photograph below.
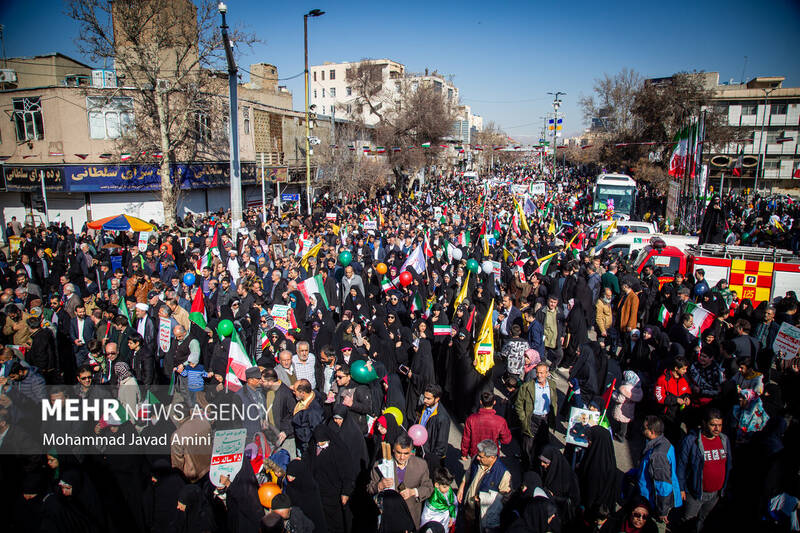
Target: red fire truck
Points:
(758, 274)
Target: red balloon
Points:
(406, 278)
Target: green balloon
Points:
(225, 328)
(496, 234)
(361, 373)
(345, 258)
(473, 266)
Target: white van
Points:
(623, 227)
(631, 243)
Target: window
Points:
(28, 118)
(772, 137)
(332, 75)
(749, 109)
(110, 118)
(202, 129)
(323, 110)
(349, 108)
(348, 91)
(333, 91)
(449, 94)
(323, 93)
(771, 164)
(315, 75)
(778, 109)
(322, 74)
(246, 120)
(315, 93)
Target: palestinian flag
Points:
(123, 310)
(441, 330)
(238, 363)
(664, 316)
(198, 310)
(311, 286)
(702, 318)
(386, 284)
(544, 263)
(426, 145)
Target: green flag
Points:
(123, 310)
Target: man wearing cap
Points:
(291, 516)
(252, 402)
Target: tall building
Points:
(334, 88)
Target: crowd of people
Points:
(368, 336)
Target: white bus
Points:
(619, 188)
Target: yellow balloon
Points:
(395, 412)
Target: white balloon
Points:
(487, 267)
(457, 254)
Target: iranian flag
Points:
(664, 316)
(544, 263)
(737, 167)
(680, 154)
(311, 286)
(426, 248)
(123, 310)
(145, 411)
(124, 156)
(386, 284)
(197, 314)
(416, 303)
(238, 363)
(441, 330)
(702, 318)
(464, 239)
(205, 261)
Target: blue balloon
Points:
(492, 241)
(188, 278)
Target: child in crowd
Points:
(442, 505)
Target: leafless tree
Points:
(345, 168)
(167, 55)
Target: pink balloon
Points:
(418, 434)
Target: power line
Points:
(505, 101)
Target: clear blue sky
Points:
(505, 56)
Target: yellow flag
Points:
(569, 244)
(521, 213)
(463, 292)
(380, 216)
(484, 344)
(609, 230)
(551, 229)
(485, 245)
(311, 253)
(335, 228)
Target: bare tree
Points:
(164, 53)
(613, 101)
(409, 115)
(345, 168)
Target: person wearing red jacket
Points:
(673, 392)
(484, 425)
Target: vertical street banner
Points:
(673, 196)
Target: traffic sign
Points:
(290, 197)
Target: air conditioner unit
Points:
(8, 75)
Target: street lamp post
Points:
(312, 13)
(233, 138)
(556, 105)
(761, 161)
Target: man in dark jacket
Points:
(704, 467)
(142, 361)
(307, 414)
(436, 420)
(354, 396)
(554, 326)
(280, 404)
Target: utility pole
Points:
(312, 13)
(556, 105)
(233, 120)
(760, 166)
(263, 192)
